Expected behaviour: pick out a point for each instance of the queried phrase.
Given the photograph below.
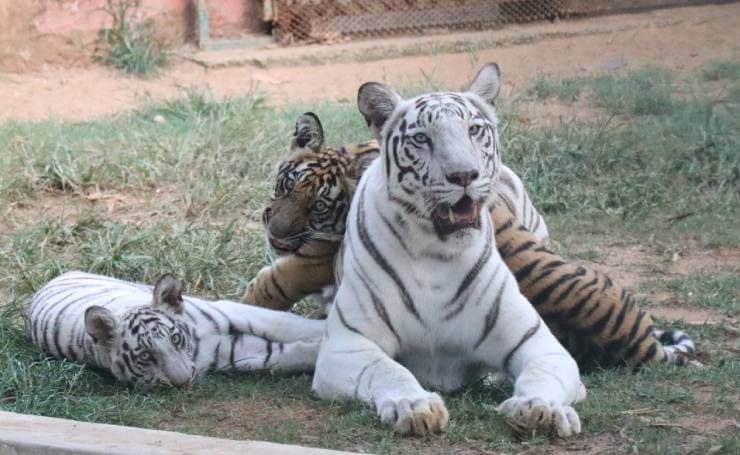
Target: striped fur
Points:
(425, 299)
(304, 220)
(595, 319)
(315, 172)
(156, 336)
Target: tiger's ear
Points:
(360, 163)
(376, 102)
(100, 324)
(487, 83)
(168, 294)
(308, 134)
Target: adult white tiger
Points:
(156, 336)
(424, 296)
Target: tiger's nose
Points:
(462, 178)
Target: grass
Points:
(130, 44)
(178, 186)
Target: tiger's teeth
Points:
(450, 215)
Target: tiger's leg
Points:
(288, 280)
(352, 366)
(546, 378)
(263, 322)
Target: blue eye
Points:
(145, 356)
(474, 130)
(176, 338)
(420, 137)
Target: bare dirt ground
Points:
(680, 39)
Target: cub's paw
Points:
(530, 413)
(422, 415)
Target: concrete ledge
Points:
(34, 435)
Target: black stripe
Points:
(505, 226)
(492, 316)
(635, 327)
(214, 360)
(279, 288)
(269, 353)
(620, 319)
(527, 335)
(542, 296)
(635, 346)
(565, 294)
(234, 338)
(344, 321)
(362, 373)
(395, 233)
(477, 267)
(523, 247)
(378, 305)
(525, 271)
(380, 260)
(651, 353)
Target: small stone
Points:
(159, 119)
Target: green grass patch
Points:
(565, 89)
(723, 69)
(130, 44)
(715, 291)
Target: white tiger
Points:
(424, 296)
(156, 336)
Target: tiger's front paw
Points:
(420, 416)
(532, 413)
(263, 291)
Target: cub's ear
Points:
(308, 134)
(168, 294)
(376, 102)
(487, 83)
(100, 324)
(360, 163)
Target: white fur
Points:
(391, 361)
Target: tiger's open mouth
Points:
(465, 213)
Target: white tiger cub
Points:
(158, 337)
(424, 296)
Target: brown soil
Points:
(681, 39)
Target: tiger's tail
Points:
(677, 345)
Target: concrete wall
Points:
(63, 32)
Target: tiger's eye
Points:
(145, 356)
(474, 130)
(176, 338)
(319, 206)
(420, 137)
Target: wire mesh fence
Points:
(331, 20)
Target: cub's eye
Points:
(474, 130)
(289, 184)
(176, 338)
(145, 356)
(319, 206)
(420, 137)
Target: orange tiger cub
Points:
(595, 319)
(304, 220)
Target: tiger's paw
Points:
(420, 416)
(531, 413)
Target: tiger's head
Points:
(439, 150)
(313, 189)
(150, 345)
